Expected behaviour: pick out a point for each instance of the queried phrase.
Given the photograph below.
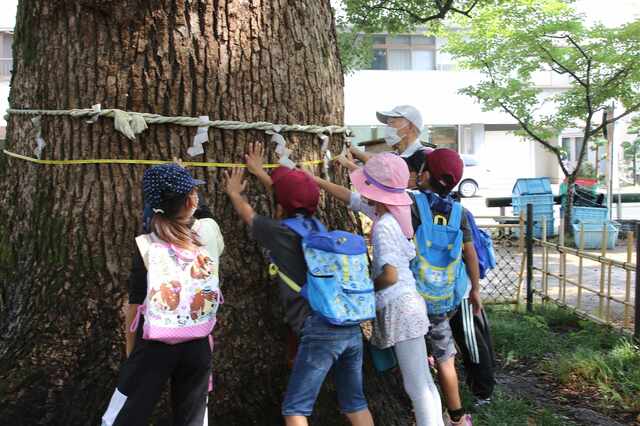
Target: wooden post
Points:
(562, 282)
(545, 261)
(627, 290)
(530, 258)
(580, 260)
(603, 253)
(608, 295)
(636, 333)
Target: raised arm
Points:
(340, 192)
(353, 200)
(234, 187)
(255, 160)
(360, 155)
(346, 161)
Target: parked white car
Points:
(473, 174)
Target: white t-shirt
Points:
(211, 237)
(412, 149)
(390, 247)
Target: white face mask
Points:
(391, 136)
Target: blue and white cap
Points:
(166, 178)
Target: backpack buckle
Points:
(440, 220)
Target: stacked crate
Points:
(535, 191)
(593, 220)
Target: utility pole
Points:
(608, 171)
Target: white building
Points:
(6, 62)
(412, 69)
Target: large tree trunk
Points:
(66, 232)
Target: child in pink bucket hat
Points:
(401, 313)
(384, 179)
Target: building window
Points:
(579, 143)
(6, 61)
(399, 59)
(566, 145)
(573, 146)
(403, 52)
(379, 59)
(423, 59)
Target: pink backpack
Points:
(183, 291)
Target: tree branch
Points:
(580, 49)
(525, 125)
(630, 110)
(443, 9)
(467, 12)
(563, 67)
(585, 141)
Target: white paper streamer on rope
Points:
(40, 143)
(129, 124)
(282, 150)
(202, 136)
(326, 154)
(94, 118)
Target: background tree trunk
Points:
(66, 233)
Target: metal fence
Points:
(502, 285)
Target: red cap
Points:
(295, 190)
(445, 166)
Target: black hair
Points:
(415, 161)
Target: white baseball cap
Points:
(405, 111)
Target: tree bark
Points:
(66, 232)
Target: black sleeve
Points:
(415, 213)
(467, 233)
(265, 231)
(203, 212)
(137, 280)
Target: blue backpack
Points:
(441, 276)
(484, 247)
(338, 285)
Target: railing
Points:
(596, 284)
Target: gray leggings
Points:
(418, 383)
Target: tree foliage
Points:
(511, 41)
(357, 18)
(631, 149)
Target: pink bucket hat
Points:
(384, 178)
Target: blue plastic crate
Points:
(593, 234)
(531, 186)
(538, 210)
(590, 214)
(541, 203)
(537, 228)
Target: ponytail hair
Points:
(172, 224)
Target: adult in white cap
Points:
(403, 128)
(402, 131)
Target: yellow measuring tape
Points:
(148, 162)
